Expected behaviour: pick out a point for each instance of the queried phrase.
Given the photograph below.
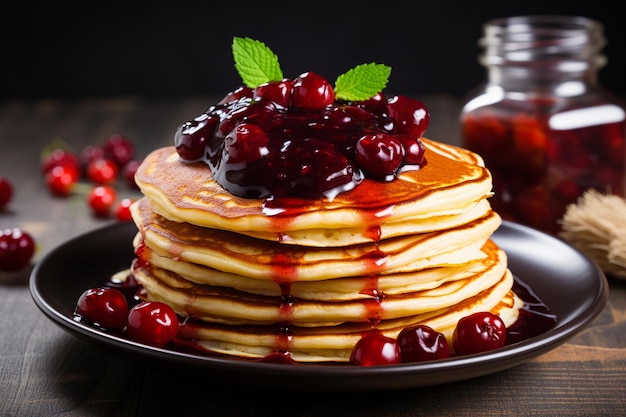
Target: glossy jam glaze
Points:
(257, 148)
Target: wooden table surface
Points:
(45, 371)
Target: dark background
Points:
(98, 49)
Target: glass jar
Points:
(545, 127)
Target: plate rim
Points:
(394, 376)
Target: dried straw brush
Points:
(596, 224)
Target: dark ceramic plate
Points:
(565, 279)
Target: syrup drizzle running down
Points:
(534, 318)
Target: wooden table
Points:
(45, 371)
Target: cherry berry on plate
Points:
(375, 349)
(153, 323)
(478, 332)
(421, 343)
(104, 306)
(6, 192)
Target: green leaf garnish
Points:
(255, 62)
(362, 82)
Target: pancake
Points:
(335, 343)
(447, 192)
(339, 289)
(384, 298)
(256, 258)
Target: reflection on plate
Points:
(565, 279)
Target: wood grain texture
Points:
(46, 372)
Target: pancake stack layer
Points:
(310, 277)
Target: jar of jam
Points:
(546, 128)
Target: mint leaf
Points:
(362, 82)
(255, 62)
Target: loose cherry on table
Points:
(6, 192)
(122, 210)
(101, 200)
(102, 171)
(17, 247)
(62, 179)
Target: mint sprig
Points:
(362, 82)
(257, 64)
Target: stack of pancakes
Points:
(310, 277)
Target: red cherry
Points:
(59, 157)
(16, 249)
(246, 143)
(411, 116)
(102, 171)
(6, 192)
(122, 212)
(414, 150)
(129, 171)
(375, 349)
(191, 137)
(152, 323)
(376, 104)
(312, 91)
(90, 153)
(277, 91)
(61, 179)
(104, 306)
(422, 343)
(379, 155)
(119, 148)
(101, 199)
(239, 93)
(478, 332)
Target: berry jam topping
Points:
(302, 137)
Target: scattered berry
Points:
(61, 180)
(101, 200)
(129, 171)
(59, 156)
(6, 192)
(119, 149)
(478, 332)
(103, 306)
(152, 323)
(102, 171)
(375, 349)
(122, 212)
(17, 247)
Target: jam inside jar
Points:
(544, 126)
